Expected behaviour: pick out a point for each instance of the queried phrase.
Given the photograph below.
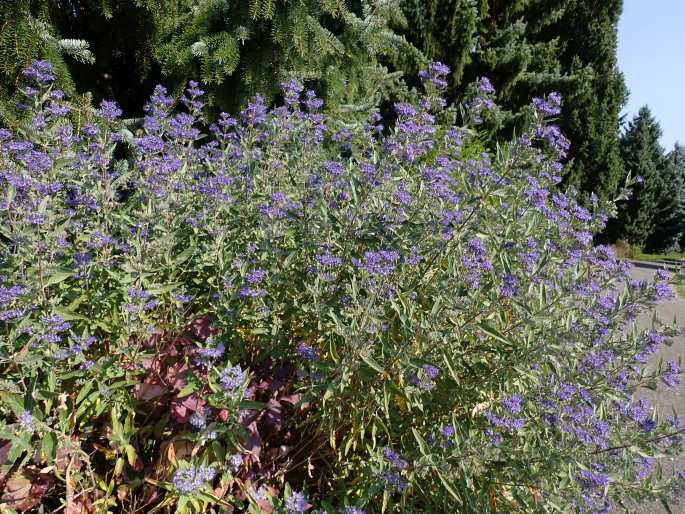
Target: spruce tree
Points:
(644, 159)
(236, 49)
(239, 49)
(587, 34)
(531, 48)
(676, 162)
(670, 204)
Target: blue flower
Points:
(512, 404)
(296, 503)
(509, 287)
(256, 276)
(26, 421)
(549, 107)
(109, 110)
(307, 352)
(394, 481)
(40, 71)
(593, 479)
(425, 377)
(485, 86)
(232, 379)
(191, 480)
(394, 459)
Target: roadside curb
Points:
(669, 265)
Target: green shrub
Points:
(294, 311)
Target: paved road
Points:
(664, 397)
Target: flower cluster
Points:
(192, 479)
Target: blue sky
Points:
(651, 54)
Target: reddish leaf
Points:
(147, 391)
(67, 453)
(176, 376)
(253, 444)
(273, 420)
(17, 493)
(292, 399)
(152, 365)
(201, 328)
(183, 408)
(5, 447)
(25, 490)
(151, 494)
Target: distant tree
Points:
(670, 204)
(644, 159)
(669, 233)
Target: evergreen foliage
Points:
(590, 118)
(677, 161)
(669, 210)
(644, 158)
(125, 66)
(533, 48)
(26, 33)
(241, 49)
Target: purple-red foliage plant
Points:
(295, 312)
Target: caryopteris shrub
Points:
(295, 313)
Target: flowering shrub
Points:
(292, 313)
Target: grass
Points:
(625, 251)
(655, 257)
(678, 284)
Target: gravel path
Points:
(664, 397)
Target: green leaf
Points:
(449, 487)
(213, 498)
(184, 255)
(189, 388)
(333, 349)
(69, 315)
(6, 233)
(450, 367)
(14, 402)
(181, 503)
(386, 398)
(48, 447)
(330, 392)
(87, 388)
(423, 446)
(494, 333)
(130, 454)
(160, 289)
(77, 301)
(372, 363)
(57, 276)
(17, 449)
(250, 404)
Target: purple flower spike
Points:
(485, 86)
(40, 71)
(109, 110)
